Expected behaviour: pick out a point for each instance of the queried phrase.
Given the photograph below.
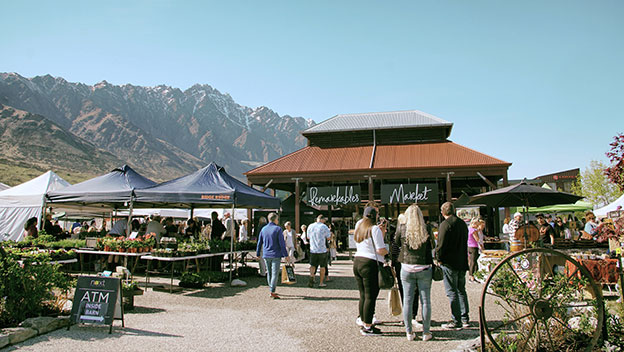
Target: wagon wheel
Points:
(531, 305)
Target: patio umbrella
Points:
(523, 194)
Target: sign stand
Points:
(97, 300)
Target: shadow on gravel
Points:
(315, 298)
(90, 333)
(144, 310)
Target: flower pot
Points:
(132, 250)
(107, 248)
(121, 250)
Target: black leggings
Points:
(365, 271)
(473, 256)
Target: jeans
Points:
(397, 269)
(365, 271)
(420, 281)
(273, 268)
(455, 286)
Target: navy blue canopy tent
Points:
(113, 190)
(209, 187)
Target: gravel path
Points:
(245, 319)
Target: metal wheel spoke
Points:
(552, 344)
(563, 283)
(563, 324)
(519, 279)
(507, 299)
(510, 322)
(528, 337)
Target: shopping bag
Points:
(288, 275)
(395, 306)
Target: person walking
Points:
(416, 245)
(318, 234)
(271, 242)
(370, 250)
(290, 243)
(452, 254)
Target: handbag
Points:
(436, 274)
(395, 306)
(385, 276)
(288, 275)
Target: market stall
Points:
(209, 187)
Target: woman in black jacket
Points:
(415, 244)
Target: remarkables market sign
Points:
(409, 193)
(336, 196)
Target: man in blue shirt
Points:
(271, 241)
(318, 233)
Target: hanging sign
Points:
(409, 193)
(97, 300)
(336, 196)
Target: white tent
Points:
(19, 203)
(3, 186)
(601, 212)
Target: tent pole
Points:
(232, 231)
(129, 227)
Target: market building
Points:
(395, 158)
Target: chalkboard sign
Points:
(336, 196)
(97, 300)
(419, 193)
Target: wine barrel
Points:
(531, 231)
(516, 245)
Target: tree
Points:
(593, 184)
(615, 172)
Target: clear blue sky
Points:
(536, 83)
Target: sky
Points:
(536, 83)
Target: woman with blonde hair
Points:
(416, 245)
(370, 253)
(474, 244)
(290, 243)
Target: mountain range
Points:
(162, 132)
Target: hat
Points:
(370, 212)
(517, 214)
(539, 215)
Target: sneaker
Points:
(411, 336)
(372, 331)
(375, 321)
(416, 325)
(359, 322)
(322, 285)
(427, 337)
(452, 326)
(465, 325)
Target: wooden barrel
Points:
(516, 245)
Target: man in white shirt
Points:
(154, 226)
(318, 233)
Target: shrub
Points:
(29, 290)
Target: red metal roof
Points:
(387, 157)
